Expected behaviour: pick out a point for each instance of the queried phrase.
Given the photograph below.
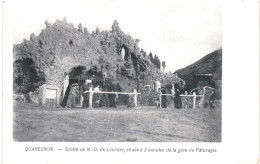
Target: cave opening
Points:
(79, 74)
(27, 78)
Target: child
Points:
(158, 98)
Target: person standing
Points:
(172, 92)
(212, 99)
(177, 98)
(163, 98)
(158, 99)
(96, 97)
(66, 97)
(85, 95)
(80, 95)
(104, 101)
(72, 96)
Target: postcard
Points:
(112, 81)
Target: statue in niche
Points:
(123, 53)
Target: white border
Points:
(240, 126)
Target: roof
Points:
(203, 75)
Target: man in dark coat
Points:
(164, 99)
(112, 97)
(104, 101)
(177, 99)
(85, 96)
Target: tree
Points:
(151, 57)
(159, 64)
(163, 65)
(156, 62)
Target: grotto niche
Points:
(124, 52)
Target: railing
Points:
(193, 95)
(108, 83)
(102, 82)
(91, 92)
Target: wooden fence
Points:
(101, 92)
(107, 82)
(193, 95)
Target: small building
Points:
(204, 80)
(49, 95)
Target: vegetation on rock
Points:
(60, 48)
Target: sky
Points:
(178, 32)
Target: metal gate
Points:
(104, 83)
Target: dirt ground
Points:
(143, 124)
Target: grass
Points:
(33, 122)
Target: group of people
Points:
(76, 94)
(99, 100)
(175, 89)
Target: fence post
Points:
(202, 99)
(81, 100)
(160, 101)
(90, 97)
(135, 97)
(194, 100)
(65, 84)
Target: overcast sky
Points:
(179, 33)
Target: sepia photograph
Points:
(113, 71)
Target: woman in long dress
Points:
(66, 97)
(72, 96)
(170, 99)
(96, 97)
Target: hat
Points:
(75, 84)
(88, 81)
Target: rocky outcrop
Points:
(60, 47)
